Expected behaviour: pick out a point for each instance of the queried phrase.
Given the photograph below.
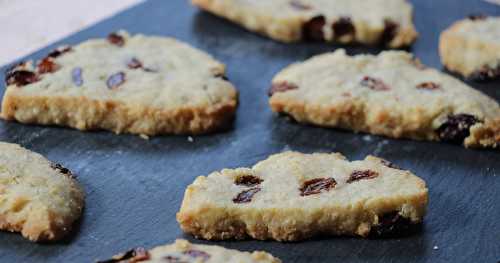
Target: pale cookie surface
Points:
(38, 198)
(471, 47)
(127, 84)
(391, 94)
(386, 22)
(184, 252)
(293, 196)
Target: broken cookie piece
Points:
(184, 252)
(376, 22)
(146, 85)
(295, 196)
(389, 94)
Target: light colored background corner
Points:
(28, 25)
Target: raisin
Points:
(76, 76)
(299, 6)
(390, 31)
(21, 77)
(392, 224)
(115, 80)
(316, 186)
(246, 196)
(197, 254)
(116, 39)
(456, 128)
(222, 76)
(61, 169)
(313, 29)
(390, 164)
(59, 51)
(281, 87)
(486, 73)
(343, 27)
(428, 86)
(47, 65)
(360, 175)
(477, 17)
(134, 64)
(131, 256)
(248, 180)
(374, 84)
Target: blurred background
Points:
(28, 25)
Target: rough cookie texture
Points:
(38, 198)
(471, 47)
(391, 94)
(127, 84)
(386, 22)
(303, 195)
(184, 252)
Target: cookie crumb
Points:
(144, 136)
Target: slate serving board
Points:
(134, 186)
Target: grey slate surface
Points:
(134, 187)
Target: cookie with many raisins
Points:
(471, 48)
(391, 94)
(146, 85)
(38, 198)
(293, 196)
(376, 22)
(184, 252)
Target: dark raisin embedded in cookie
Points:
(390, 31)
(390, 164)
(47, 65)
(246, 196)
(76, 76)
(374, 84)
(296, 4)
(313, 29)
(173, 259)
(477, 17)
(115, 80)
(248, 180)
(316, 186)
(343, 27)
(59, 51)
(116, 39)
(131, 256)
(197, 254)
(134, 63)
(391, 225)
(21, 77)
(428, 86)
(456, 127)
(61, 169)
(281, 87)
(361, 175)
(222, 76)
(486, 73)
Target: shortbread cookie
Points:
(127, 84)
(184, 252)
(471, 47)
(38, 198)
(391, 94)
(386, 22)
(293, 196)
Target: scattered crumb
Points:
(190, 139)
(144, 136)
(435, 248)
